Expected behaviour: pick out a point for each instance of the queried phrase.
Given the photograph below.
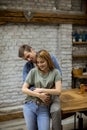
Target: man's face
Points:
(30, 56)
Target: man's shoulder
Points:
(52, 56)
(29, 64)
(33, 71)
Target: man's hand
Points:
(43, 96)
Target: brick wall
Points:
(11, 66)
(65, 42)
(58, 5)
(56, 39)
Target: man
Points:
(27, 53)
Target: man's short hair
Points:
(23, 48)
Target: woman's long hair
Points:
(46, 56)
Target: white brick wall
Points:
(39, 37)
(10, 65)
(58, 5)
(65, 42)
(56, 39)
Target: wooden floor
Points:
(19, 124)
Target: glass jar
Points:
(82, 88)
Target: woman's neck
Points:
(44, 71)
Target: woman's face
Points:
(42, 64)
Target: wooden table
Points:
(73, 101)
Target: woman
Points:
(47, 81)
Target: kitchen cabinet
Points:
(79, 60)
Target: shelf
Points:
(79, 43)
(79, 56)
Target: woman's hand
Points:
(38, 90)
(45, 98)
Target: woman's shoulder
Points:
(32, 72)
(34, 69)
(56, 71)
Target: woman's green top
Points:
(40, 80)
